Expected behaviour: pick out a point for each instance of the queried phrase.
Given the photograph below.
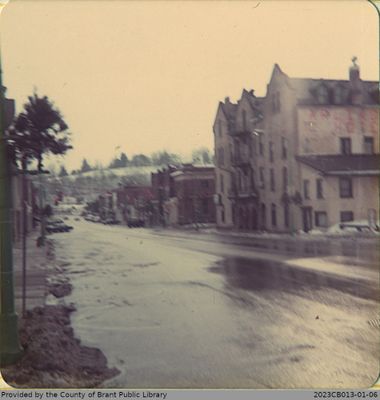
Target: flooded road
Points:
(173, 312)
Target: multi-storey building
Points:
(224, 126)
(134, 204)
(163, 191)
(194, 188)
(184, 195)
(316, 156)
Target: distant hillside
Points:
(90, 184)
(120, 172)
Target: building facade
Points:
(194, 188)
(314, 155)
(162, 191)
(223, 128)
(184, 195)
(134, 204)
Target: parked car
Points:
(111, 221)
(136, 223)
(57, 225)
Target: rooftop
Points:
(337, 164)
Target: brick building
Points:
(194, 188)
(184, 195)
(134, 204)
(314, 158)
(162, 191)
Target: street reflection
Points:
(266, 275)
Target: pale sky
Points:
(148, 75)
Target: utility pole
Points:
(10, 349)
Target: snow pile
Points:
(53, 357)
(355, 229)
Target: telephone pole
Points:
(10, 349)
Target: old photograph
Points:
(189, 194)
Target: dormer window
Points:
(339, 95)
(322, 95)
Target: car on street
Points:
(136, 223)
(110, 221)
(57, 225)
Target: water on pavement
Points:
(173, 314)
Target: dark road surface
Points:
(189, 311)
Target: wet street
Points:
(188, 311)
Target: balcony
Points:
(241, 133)
(243, 193)
(240, 160)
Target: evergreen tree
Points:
(85, 166)
(38, 130)
(165, 158)
(140, 160)
(123, 160)
(62, 172)
(201, 156)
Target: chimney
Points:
(354, 71)
(227, 100)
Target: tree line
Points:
(160, 158)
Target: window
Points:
(322, 95)
(221, 183)
(262, 177)
(244, 120)
(346, 216)
(274, 102)
(273, 215)
(261, 145)
(345, 187)
(223, 215)
(321, 219)
(204, 183)
(253, 179)
(286, 215)
(278, 102)
(284, 148)
(339, 95)
(271, 151)
(221, 156)
(272, 182)
(285, 179)
(368, 145)
(306, 189)
(345, 145)
(263, 215)
(319, 184)
(205, 206)
(220, 127)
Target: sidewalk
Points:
(344, 249)
(36, 273)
